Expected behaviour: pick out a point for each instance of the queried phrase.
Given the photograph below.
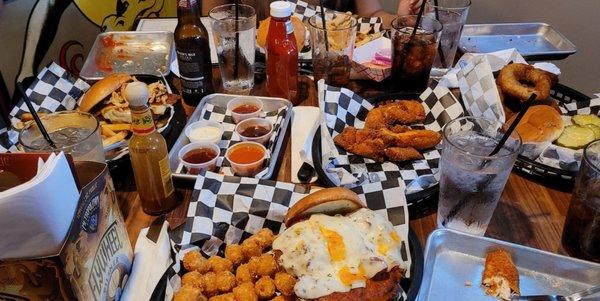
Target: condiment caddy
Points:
(213, 110)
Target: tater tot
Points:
(224, 297)
(218, 263)
(194, 261)
(264, 237)
(264, 287)
(266, 265)
(282, 298)
(285, 283)
(189, 293)
(242, 274)
(193, 278)
(234, 253)
(253, 266)
(251, 248)
(225, 281)
(210, 284)
(245, 292)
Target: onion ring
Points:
(521, 80)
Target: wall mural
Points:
(121, 14)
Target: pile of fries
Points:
(113, 133)
(365, 37)
(339, 39)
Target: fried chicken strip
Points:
(401, 112)
(400, 154)
(418, 139)
(366, 143)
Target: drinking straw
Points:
(237, 40)
(440, 51)
(35, 115)
(324, 26)
(488, 179)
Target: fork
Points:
(574, 297)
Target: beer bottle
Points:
(148, 153)
(193, 53)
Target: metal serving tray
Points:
(452, 259)
(217, 99)
(130, 52)
(535, 41)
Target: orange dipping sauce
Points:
(246, 153)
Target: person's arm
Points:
(372, 8)
(207, 5)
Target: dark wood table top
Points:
(530, 212)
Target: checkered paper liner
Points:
(478, 88)
(303, 11)
(230, 137)
(227, 209)
(343, 108)
(53, 90)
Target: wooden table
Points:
(530, 213)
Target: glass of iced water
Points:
(471, 181)
(235, 34)
(453, 16)
(76, 133)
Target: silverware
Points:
(574, 297)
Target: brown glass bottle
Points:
(148, 153)
(193, 53)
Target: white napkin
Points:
(305, 122)
(150, 262)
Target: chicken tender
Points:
(266, 265)
(251, 248)
(402, 112)
(193, 278)
(418, 139)
(189, 293)
(224, 297)
(210, 284)
(400, 154)
(366, 143)
(218, 263)
(234, 253)
(225, 281)
(245, 292)
(264, 287)
(243, 274)
(285, 283)
(194, 261)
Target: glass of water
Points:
(453, 16)
(73, 132)
(235, 34)
(471, 181)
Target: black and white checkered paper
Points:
(53, 90)
(478, 88)
(343, 108)
(304, 11)
(227, 209)
(230, 137)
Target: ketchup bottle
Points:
(282, 53)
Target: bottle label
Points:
(191, 71)
(142, 122)
(289, 27)
(165, 174)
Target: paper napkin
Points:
(479, 91)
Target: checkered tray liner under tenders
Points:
(343, 108)
(228, 209)
(229, 138)
(53, 90)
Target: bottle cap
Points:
(281, 9)
(136, 93)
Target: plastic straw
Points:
(513, 125)
(35, 116)
(440, 51)
(237, 41)
(324, 25)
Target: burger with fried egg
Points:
(340, 250)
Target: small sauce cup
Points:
(255, 130)
(244, 107)
(246, 158)
(204, 131)
(199, 156)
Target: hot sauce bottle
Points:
(282, 53)
(148, 153)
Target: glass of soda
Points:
(234, 35)
(471, 181)
(581, 234)
(412, 56)
(453, 16)
(73, 132)
(333, 65)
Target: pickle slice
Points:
(594, 128)
(585, 119)
(576, 137)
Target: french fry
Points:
(117, 127)
(120, 136)
(107, 131)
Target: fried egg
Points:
(338, 253)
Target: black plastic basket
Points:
(562, 94)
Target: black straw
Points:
(324, 26)
(35, 115)
(440, 51)
(237, 41)
(419, 17)
(513, 125)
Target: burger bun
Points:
(329, 201)
(103, 89)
